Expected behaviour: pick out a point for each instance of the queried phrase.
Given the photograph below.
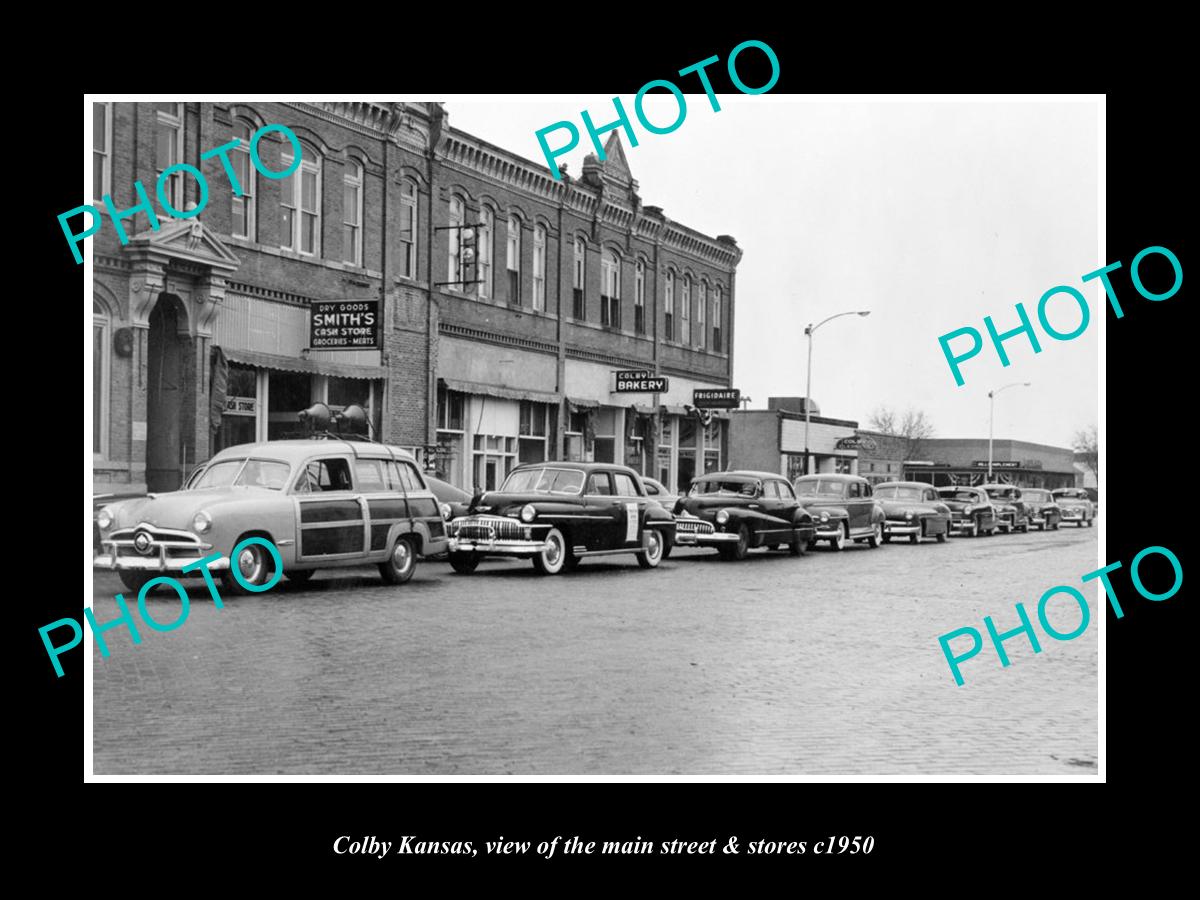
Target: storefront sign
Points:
(856, 443)
(241, 406)
(641, 382)
(344, 325)
(725, 398)
(998, 464)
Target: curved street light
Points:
(992, 418)
(808, 384)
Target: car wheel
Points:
(812, 544)
(1089, 523)
(839, 542)
(797, 548)
(1041, 526)
(464, 563)
(887, 538)
(942, 535)
(551, 560)
(401, 562)
(914, 539)
(255, 565)
(133, 580)
(667, 548)
(876, 537)
(300, 575)
(740, 549)
(652, 549)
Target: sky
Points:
(930, 214)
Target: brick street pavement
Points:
(824, 664)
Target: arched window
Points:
(685, 311)
(487, 230)
(101, 340)
(514, 261)
(454, 276)
(639, 297)
(352, 212)
(716, 319)
(539, 267)
(610, 290)
(300, 199)
(702, 315)
(579, 307)
(669, 307)
(244, 211)
(408, 228)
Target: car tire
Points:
(300, 575)
(839, 542)
(255, 564)
(1089, 523)
(1054, 527)
(876, 537)
(401, 562)
(797, 548)
(812, 545)
(914, 539)
(667, 548)
(464, 563)
(1041, 526)
(887, 538)
(551, 560)
(742, 547)
(942, 535)
(652, 549)
(133, 580)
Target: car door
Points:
(858, 505)
(930, 496)
(771, 504)
(788, 504)
(633, 506)
(331, 521)
(385, 503)
(606, 515)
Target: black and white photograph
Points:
(527, 436)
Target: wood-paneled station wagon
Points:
(557, 513)
(912, 509)
(734, 511)
(323, 502)
(843, 507)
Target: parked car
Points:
(971, 511)
(447, 494)
(658, 492)
(322, 503)
(912, 508)
(843, 509)
(1011, 514)
(557, 513)
(1076, 506)
(735, 511)
(1041, 508)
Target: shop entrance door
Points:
(166, 385)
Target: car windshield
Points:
(711, 486)
(544, 481)
(952, 494)
(885, 492)
(1000, 493)
(1039, 496)
(266, 473)
(219, 474)
(821, 488)
(1071, 494)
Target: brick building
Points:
(201, 328)
(949, 461)
(773, 440)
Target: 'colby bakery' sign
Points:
(344, 325)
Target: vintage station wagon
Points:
(556, 513)
(324, 502)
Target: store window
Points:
(343, 392)
(686, 466)
(605, 446)
(536, 429)
(101, 329)
(352, 213)
(168, 150)
(101, 149)
(239, 421)
(495, 455)
(244, 211)
(579, 305)
(408, 228)
(666, 437)
(539, 267)
(287, 394)
(300, 202)
(575, 434)
(712, 446)
(639, 298)
(451, 408)
(487, 230)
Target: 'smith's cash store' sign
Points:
(640, 382)
(344, 325)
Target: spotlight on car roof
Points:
(316, 416)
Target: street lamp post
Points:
(992, 418)
(808, 384)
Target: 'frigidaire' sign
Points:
(641, 381)
(344, 325)
(724, 398)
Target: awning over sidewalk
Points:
(494, 390)
(311, 366)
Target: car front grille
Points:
(162, 542)
(693, 526)
(487, 528)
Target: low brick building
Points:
(202, 327)
(950, 461)
(773, 440)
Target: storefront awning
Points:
(311, 366)
(581, 403)
(504, 393)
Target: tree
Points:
(910, 429)
(1087, 445)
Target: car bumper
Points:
(499, 546)
(905, 527)
(828, 531)
(1074, 515)
(962, 524)
(691, 539)
(107, 562)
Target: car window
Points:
(598, 483)
(854, 489)
(651, 488)
(785, 490)
(770, 491)
(625, 485)
(369, 474)
(819, 488)
(220, 474)
(268, 473)
(931, 495)
(325, 475)
(522, 481)
(403, 476)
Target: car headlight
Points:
(104, 519)
(824, 517)
(722, 517)
(446, 511)
(528, 512)
(201, 522)
(908, 514)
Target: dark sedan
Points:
(557, 513)
(971, 511)
(912, 509)
(1011, 514)
(735, 511)
(1042, 508)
